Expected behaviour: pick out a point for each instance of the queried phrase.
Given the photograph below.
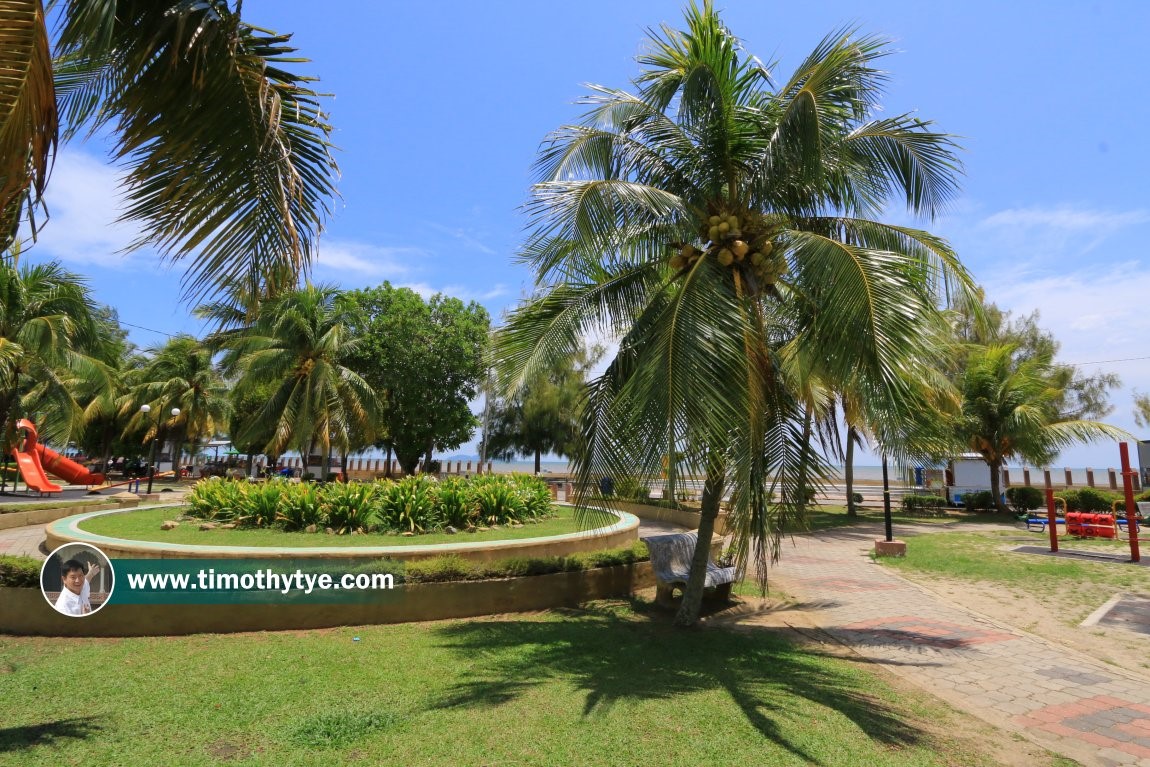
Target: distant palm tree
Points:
(1010, 408)
(47, 333)
(180, 374)
(296, 347)
(723, 229)
(227, 153)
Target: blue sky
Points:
(439, 109)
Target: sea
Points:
(862, 473)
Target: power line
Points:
(1104, 362)
(150, 330)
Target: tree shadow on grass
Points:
(612, 655)
(47, 733)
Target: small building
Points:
(967, 473)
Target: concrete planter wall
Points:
(11, 519)
(26, 612)
(622, 533)
(678, 517)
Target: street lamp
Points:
(175, 451)
(145, 409)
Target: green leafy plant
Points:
(982, 500)
(19, 572)
(923, 504)
(348, 507)
(299, 507)
(259, 505)
(409, 504)
(1024, 498)
(535, 494)
(497, 501)
(456, 505)
(216, 499)
(1089, 499)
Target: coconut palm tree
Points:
(722, 228)
(180, 375)
(1011, 408)
(47, 333)
(297, 347)
(227, 153)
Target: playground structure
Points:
(35, 462)
(1097, 525)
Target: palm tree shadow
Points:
(613, 655)
(47, 733)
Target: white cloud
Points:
(469, 239)
(83, 205)
(366, 259)
(1066, 218)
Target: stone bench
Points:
(671, 562)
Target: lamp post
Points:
(145, 409)
(175, 451)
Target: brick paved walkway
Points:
(1063, 700)
(23, 541)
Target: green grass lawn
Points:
(822, 517)
(985, 556)
(601, 686)
(144, 525)
(7, 508)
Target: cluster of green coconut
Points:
(749, 249)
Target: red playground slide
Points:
(33, 459)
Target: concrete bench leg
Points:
(721, 593)
(665, 595)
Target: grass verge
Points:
(591, 687)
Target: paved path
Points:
(1064, 700)
(22, 541)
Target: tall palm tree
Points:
(1010, 408)
(722, 228)
(47, 333)
(227, 153)
(297, 346)
(181, 375)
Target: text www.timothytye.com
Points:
(261, 580)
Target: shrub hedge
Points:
(20, 572)
(923, 504)
(415, 504)
(1023, 498)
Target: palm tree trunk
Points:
(996, 485)
(692, 603)
(538, 456)
(387, 466)
(849, 472)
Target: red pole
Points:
(1051, 520)
(1131, 509)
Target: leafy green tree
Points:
(227, 152)
(1142, 409)
(425, 359)
(723, 229)
(107, 403)
(1012, 407)
(543, 415)
(1082, 396)
(48, 331)
(298, 346)
(181, 374)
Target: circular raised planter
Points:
(623, 532)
